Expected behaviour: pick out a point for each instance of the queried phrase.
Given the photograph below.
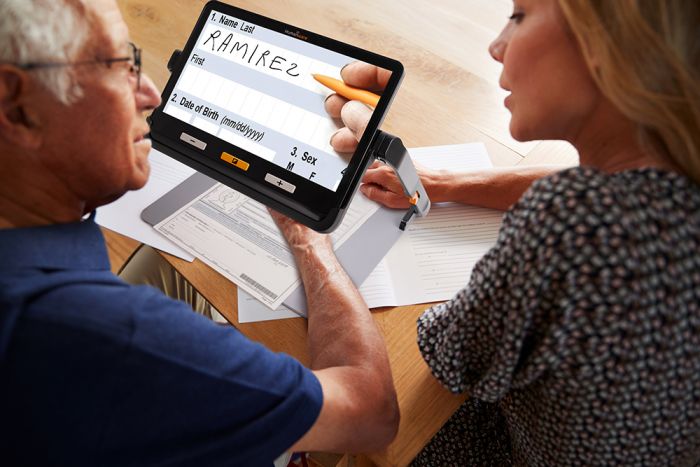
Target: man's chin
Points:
(92, 205)
(141, 173)
(137, 182)
(142, 167)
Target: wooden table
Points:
(450, 95)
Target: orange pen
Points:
(349, 92)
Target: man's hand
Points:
(299, 237)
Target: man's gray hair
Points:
(52, 31)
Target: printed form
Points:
(237, 237)
(433, 260)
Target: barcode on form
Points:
(261, 288)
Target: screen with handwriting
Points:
(253, 87)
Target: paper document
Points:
(124, 215)
(434, 259)
(252, 311)
(237, 236)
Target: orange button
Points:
(243, 165)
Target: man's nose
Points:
(148, 96)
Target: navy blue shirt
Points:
(94, 371)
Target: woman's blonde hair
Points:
(645, 57)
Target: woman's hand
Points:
(354, 114)
(381, 184)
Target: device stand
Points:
(390, 150)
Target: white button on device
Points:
(278, 182)
(193, 141)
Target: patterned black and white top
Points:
(578, 336)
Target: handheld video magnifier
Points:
(244, 105)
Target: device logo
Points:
(296, 34)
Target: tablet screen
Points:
(253, 88)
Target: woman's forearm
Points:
(493, 188)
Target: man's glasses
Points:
(134, 63)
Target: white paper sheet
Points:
(251, 310)
(435, 258)
(124, 215)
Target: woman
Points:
(578, 336)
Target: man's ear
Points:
(18, 125)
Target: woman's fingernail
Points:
(333, 136)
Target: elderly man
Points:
(95, 371)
